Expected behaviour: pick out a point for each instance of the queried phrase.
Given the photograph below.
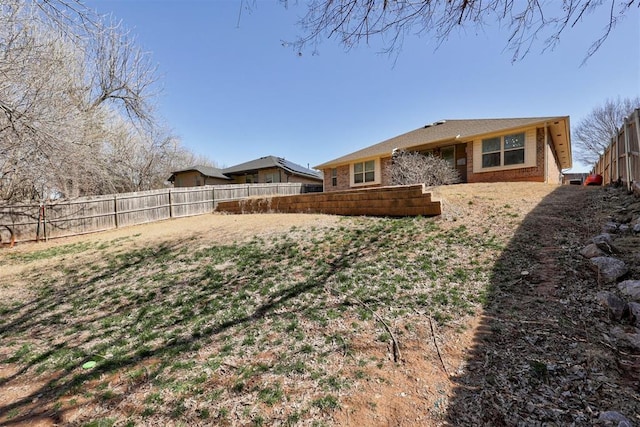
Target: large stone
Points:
(609, 269)
(614, 418)
(634, 311)
(615, 305)
(605, 243)
(632, 339)
(591, 251)
(630, 289)
(610, 227)
(636, 228)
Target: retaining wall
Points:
(381, 201)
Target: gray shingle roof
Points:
(447, 130)
(272, 162)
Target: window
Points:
(334, 177)
(503, 151)
(364, 172)
(448, 154)
(251, 179)
(514, 149)
(272, 177)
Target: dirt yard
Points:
(535, 351)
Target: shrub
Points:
(414, 168)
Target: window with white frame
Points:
(364, 172)
(503, 150)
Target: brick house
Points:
(482, 150)
(268, 169)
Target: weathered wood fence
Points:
(621, 159)
(98, 213)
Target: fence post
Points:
(170, 205)
(115, 209)
(44, 222)
(627, 153)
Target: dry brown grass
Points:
(275, 319)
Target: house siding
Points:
(554, 173)
(195, 179)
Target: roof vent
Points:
(439, 122)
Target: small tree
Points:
(414, 168)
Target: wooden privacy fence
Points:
(98, 213)
(621, 159)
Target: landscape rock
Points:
(623, 228)
(632, 339)
(605, 242)
(609, 268)
(591, 251)
(634, 311)
(614, 418)
(636, 228)
(631, 289)
(610, 227)
(616, 306)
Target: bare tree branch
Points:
(353, 22)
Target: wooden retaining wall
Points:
(382, 201)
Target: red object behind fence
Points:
(593, 179)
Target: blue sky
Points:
(232, 92)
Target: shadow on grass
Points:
(539, 357)
(57, 319)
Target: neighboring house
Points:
(574, 178)
(198, 175)
(269, 169)
(272, 169)
(482, 150)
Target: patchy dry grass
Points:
(291, 327)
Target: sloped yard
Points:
(473, 317)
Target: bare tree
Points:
(593, 133)
(408, 167)
(76, 105)
(357, 21)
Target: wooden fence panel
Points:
(142, 207)
(621, 159)
(18, 222)
(98, 213)
(69, 218)
(191, 201)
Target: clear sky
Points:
(232, 92)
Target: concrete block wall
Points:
(394, 201)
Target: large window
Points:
(503, 151)
(272, 177)
(364, 172)
(334, 177)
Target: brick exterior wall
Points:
(534, 174)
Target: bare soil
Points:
(535, 355)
